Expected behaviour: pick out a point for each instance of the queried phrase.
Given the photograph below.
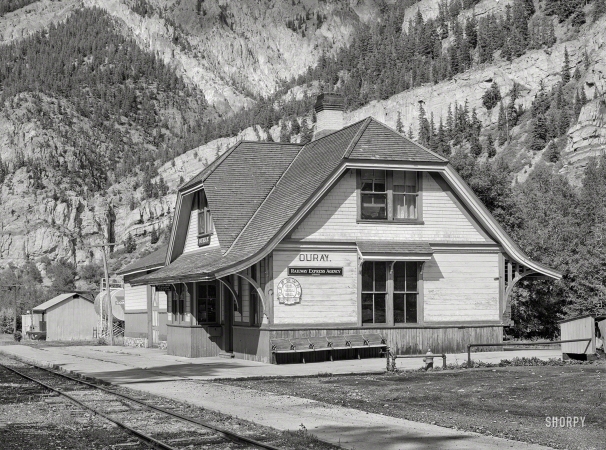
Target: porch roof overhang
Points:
(394, 251)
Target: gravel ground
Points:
(29, 413)
(511, 402)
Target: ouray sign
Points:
(315, 271)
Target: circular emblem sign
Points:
(289, 291)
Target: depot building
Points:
(359, 231)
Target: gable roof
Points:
(238, 185)
(154, 260)
(273, 212)
(55, 301)
(248, 212)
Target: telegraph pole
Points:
(110, 314)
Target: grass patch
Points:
(511, 401)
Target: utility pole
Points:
(110, 314)
(13, 287)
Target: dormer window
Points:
(389, 195)
(205, 223)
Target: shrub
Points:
(18, 336)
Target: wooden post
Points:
(15, 315)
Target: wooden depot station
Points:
(361, 232)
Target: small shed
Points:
(588, 326)
(66, 317)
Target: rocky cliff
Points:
(236, 54)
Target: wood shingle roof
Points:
(258, 187)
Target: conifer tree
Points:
(502, 126)
(491, 151)
(476, 147)
(424, 127)
(306, 132)
(410, 133)
(539, 133)
(399, 125)
(566, 67)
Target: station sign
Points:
(163, 287)
(315, 271)
(204, 240)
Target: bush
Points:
(18, 336)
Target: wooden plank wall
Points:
(71, 320)
(324, 298)
(413, 340)
(582, 328)
(191, 241)
(192, 342)
(461, 287)
(135, 324)
(135, 298)
(252, 343)
(335, 218)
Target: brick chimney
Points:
(329, 114)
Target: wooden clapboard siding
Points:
(192, 342)
(71, 320)
(252, 343)
(135, 297)
(323, 297)
(335, 218)
(581, 328)
(162, 299)
(461, 287)
(409, 340)
(135, 324)
(191, 241)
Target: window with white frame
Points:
(389, 195)
(405, 291)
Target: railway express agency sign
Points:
(289, 291)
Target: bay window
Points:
(389, 195)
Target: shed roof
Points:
(55, 301)
(154, 260)
(422, 248)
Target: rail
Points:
(394, 357)
(154, 443)
(508, 344)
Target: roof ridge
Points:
(335, 131)
(218, 162)
(356, 138)
(422, 147)
(233, 243)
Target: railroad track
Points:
(151, 421)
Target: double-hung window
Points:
(374, 194)
(205, 223)
(390, 292)
(374, 292)
(207, 303)
(405, 292)
(389, 195)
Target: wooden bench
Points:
(327, 344)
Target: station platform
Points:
(191, 381)
(127, 364)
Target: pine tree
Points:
(424, 128)
(552, 153)
(153, 236)
(502, 126)
(306, 132)
(539, 133)
(130, 245)
(491, 151)
(284, 135)
(566, 67)
(476, 147)
(492, 96)
(410, 133)
(399, 125)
